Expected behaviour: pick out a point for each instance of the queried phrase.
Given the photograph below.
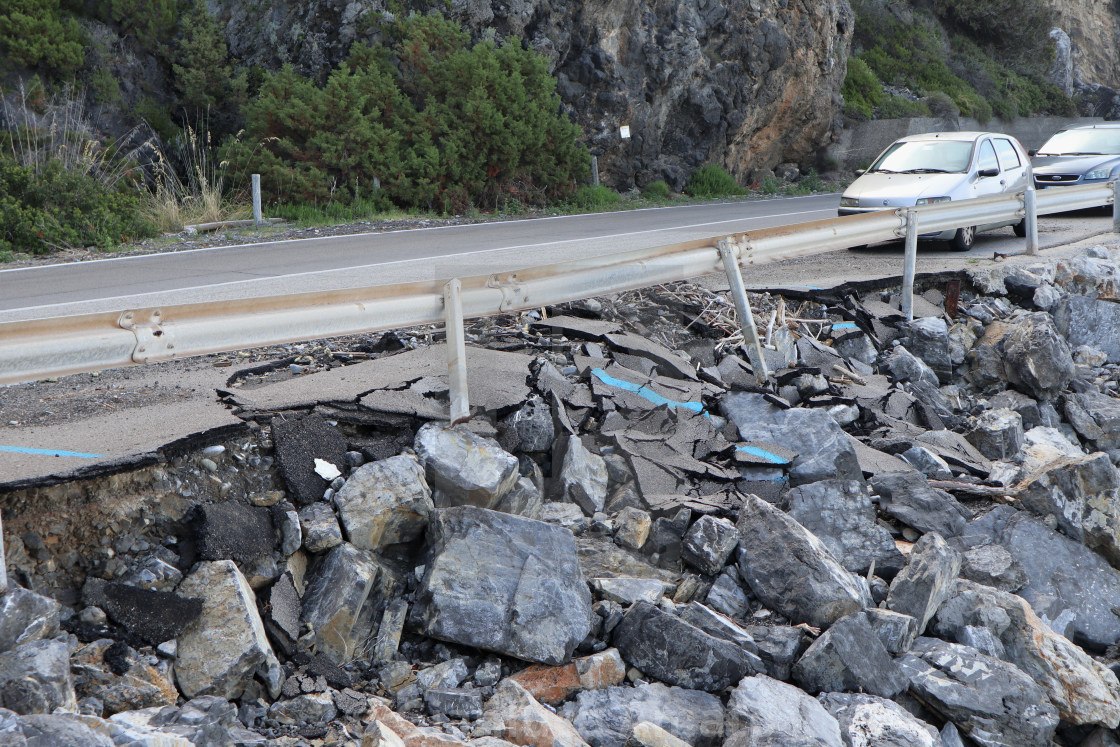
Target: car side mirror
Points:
(1032, 152)
(988, 172)
(861, 172)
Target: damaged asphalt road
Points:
(915, 524)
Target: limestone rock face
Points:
(503, 583)
(742, 83)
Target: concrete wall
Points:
(860, 142)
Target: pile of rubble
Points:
(909, 536)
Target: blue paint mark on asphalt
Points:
(769, 456)
(845, 325)
(48, 452)
(645, 392)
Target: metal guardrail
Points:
(31, 350)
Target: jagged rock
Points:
(1084, 496)
(220, 652)
(389, 631)
(445, 675)
(97, 671)
(554, 685)
(778, 646)
(56, 730)
(840, 513)
(206, 719)
(646, 734)
(234, 531)
(319, 527)
(1036, 358)
(993, 702)
(998, 434)
(763, 711)
(291, 534)
(905, 366)
(515, 716)
(1077, 604)
(299, 442)
(857, 346)
(529, 428)
(627, 591)
(676, 652)
(666, 539)
(727, 596)
(896, 631)
(868, 721)
(35, 678)
(633, 528)
(463, 468)
(606, 718)
(791, 571)
(305, 710)
(465, 702)
(1088, 276)
(26, 616)
(384, 503)
(927, 580)
(709, 543)
(1088, 321)
(503, 583)
(929, 341)
(712, 623)
(1085, 691)
(908, 497)
(928, 463)
(523, 499)
(583, 478)
(849, 656)
(824, 450)
(1096, 417)
(344, 600)
(993, 565)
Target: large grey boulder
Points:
(927, 580)
(778, 646)
(515, 716)
(1083, 494)
(35, 678)
(792, 571)
(824, 450)
(65, 730)
(26, 616)
(221, 651)
(928, 339)
(727, 596)
(463, 468)
(1036, 358)
(763, 711)
(998, 434)
(908, 497)
(1068, 585)
(869, 721)
(318, 527)
(1096, 418)
(709, 543)
(345, 598)
(849, 656)
(1088, 321)
(583, 478)
(1084, 690)
(606, 718)
(503, 583)
(385, 503)
(905, 366)
(993, 565)
(995, 703)
(674, 651)
(840, 513)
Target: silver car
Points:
(1079, 155)
(939, 167)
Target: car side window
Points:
(1008, 156)
(987, 157)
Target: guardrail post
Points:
(594, 171)
(3, 567)
(1116, 207)
(1030, 208)
(456, 352)
(257, 219)
(910, 264)
(743, 309)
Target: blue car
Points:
(1079, 155)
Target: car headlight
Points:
(930, 200)
(849, 202)
(1097, 174)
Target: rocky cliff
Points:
(743, 83)
(1094, 30)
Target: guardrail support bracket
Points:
(154, 342)
(456, 352)
(743, 309)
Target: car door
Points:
(1013, 166)
(986, 160)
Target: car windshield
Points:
(1083, 143)
(925, 157)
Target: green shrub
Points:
(1019, 25)
(203, 76)
(34, 34)
(770, 185)
(862, 91)
(658, 190)
(598, 197)
(900, 107)
(152, 22)
(712, 180)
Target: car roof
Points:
(1098, 126)
(967, 137)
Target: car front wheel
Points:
(1020, 228)
(963, 239)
